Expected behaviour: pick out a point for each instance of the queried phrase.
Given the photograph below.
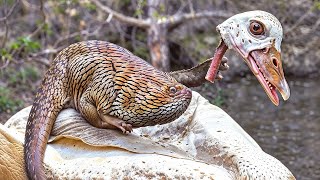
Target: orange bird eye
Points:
(256, 28)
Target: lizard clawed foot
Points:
(219, 76)
(112, 122)
(224, 66)
(125, 128)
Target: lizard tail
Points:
(49, 101)
(192, 77)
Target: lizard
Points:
(112, 88)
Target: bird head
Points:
(257, 36)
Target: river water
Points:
(289, 132)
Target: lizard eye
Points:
(256, 28)
(173, 90)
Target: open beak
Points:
(266, 65)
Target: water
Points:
(290, 132)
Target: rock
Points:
(11, 154)
(203, 143)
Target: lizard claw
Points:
(219, 76)
(224, 66)
(114, 123)
(126, 128)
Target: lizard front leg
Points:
(99, 118)
(115, 122)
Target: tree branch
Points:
(142, 23)
(5, 19)
(300, 20)
(40, 28)
(181, 18)
(10, 11)
(85, 33)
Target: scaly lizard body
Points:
(111, 88)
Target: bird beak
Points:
(266, 65)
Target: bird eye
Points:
(256, 28)
(173, 90)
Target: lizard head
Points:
(168, 96)
(257, 36)
(153, 96)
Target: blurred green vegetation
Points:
(18, 81)
(219, 99)
(23, 77)
(26, 43)
(8, 103)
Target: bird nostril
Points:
(275, 62)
